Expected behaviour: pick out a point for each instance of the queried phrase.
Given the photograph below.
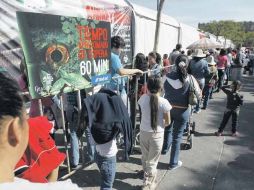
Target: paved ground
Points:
(214, 163)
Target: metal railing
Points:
(79, 103)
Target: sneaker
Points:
(197, 112)
(203, 108)
(218, 134)
(179, 164)
(234, 134)
(74, 167)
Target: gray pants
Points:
(151, 146)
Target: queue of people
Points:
(164, 107)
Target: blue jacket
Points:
(199, 69)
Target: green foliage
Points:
(235, 31)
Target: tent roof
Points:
(152, 15)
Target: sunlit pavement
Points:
(220, 163)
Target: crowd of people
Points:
(166, 87)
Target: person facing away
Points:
(14, 132)
(166, 64)
(198, 67)
(155, 115)
(177, 88)
(210, 81)
(175, 53)
(234, 101)
(221, 66)
(153, 65)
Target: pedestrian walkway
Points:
(214, 163)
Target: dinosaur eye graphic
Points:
(56, 55)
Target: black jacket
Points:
(234, 99)
(107, 117)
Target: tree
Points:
(229, 29)
(157, 29)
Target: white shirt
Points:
(163, 107)
(19, 184)
(108, 149)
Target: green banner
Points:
(64, 54)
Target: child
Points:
(154, 110)
(234, 101)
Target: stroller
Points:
(189, 133)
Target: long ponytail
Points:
(182, 63)
(154, 86)
(154, 111)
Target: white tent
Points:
(145, 23)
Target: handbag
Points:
(212, 81)
(193, 95)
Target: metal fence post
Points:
(65, 137)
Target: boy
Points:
(234, 101)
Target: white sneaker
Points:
(179, 164)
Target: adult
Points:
(140, 63)
(177, 87)
(166, 64)
(107, 117)
(14, 134)
(117, 44)
(153, 65)
(175, 53)
(198, 67)
(210, 81)
(221, 66)
(228, 67)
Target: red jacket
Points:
(41, 156)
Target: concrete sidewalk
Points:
(214, 163)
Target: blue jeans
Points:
(173, 134)
(90, 146)
(207, 93)
(107, 167)
(201, 83)
(71, 118)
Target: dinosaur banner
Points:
(64, 54)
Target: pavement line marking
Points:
(218, 164)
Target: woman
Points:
(154, 110)
(199, 69)
(153, 65)
(221, 66)
(141, 64)
(177, 87)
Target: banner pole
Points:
(65, 137)
(78, 123)
(40, 107)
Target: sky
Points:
(192, 12)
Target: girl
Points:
(155, 114)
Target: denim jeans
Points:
(107, 167)
(90, 146)
(201, 83)
(71, 118)
(221, 74)
(173, 134)
(207, 93)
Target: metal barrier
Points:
(79, 101)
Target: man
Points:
(175, 53)
(117, 44)
(14, 140)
